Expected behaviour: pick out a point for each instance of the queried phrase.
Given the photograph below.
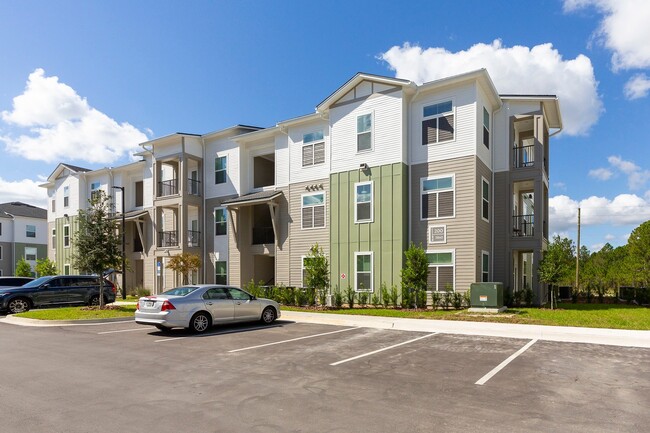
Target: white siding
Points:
(483, 152)
(501, 126)
(229, 149)
(282, 160)
(20, 227)
(387, 132)
(220, 244)
(194, 146)
(148, 186)
(298, 173)
(464, 142)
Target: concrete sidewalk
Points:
(611, 337)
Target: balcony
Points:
(167, 187)
(193, 238)
(523, 225)
(168, 239)
(194, 187)
(263, 235)
(523, 156)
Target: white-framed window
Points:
(31, 254)
(486, 128)
(66, 269)
(221, 272)
(438, 123)
(220, 166)
(53, 238)
(30, 231)
(363, 212)
(66, 236)
(313, 210)
(437, 197)
(485, 202)
(66, 196)
(485, 266)
(94, 190)
(313, 149)
(220, 221)
(364, 132)
(438, 234)
(441, 270)
(363, 279)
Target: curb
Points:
(22, 321)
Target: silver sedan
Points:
(199, 307)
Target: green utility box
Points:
(486, 295)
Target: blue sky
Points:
(84, 82)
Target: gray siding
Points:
(483, 229)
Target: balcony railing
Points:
(523, 156)
(167, 187)
(263, 235)
(168, 239)
(193, 238)
(194, 187)
(523, 225)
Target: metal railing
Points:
(194, 187)
(168, 239)
(523, 156)
(167, 187)
(523, 225)
(263, 235)
(193, 238)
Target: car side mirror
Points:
(46, 285)
(253, 298)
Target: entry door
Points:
(245, 307)
(219, 305)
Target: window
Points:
(220, 169)
(485, 192)
(313, 149)
(239, 295)
(139, 194)
(30, 231)
(66, 196)
(94, 190)
(363, 202)
(216, 293)
(437, 197)
(53, 238)
(66, 236)
(53, 205)
(485, 266)
(364, 132)
(66, 269)
(441, 270)
(220, 272)
(30, 254)
(486, 128)
(363, 272)
(313, 210)
(438, 123)
(220, 221)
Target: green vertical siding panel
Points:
(334, 225)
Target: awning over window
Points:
(251, 199)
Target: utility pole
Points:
(578, 254)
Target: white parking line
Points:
(289, 341)
(234, 331)
(125, 330)
(381, 350)
(500, 367)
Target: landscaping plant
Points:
(350, 296)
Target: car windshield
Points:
(180, 291)
(37, 282)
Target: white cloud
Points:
(636, 178)
(560, 185)
(25, 190)
(609, 237)
(624, 209)
(61, 126)
(540, 69)
(601, 173)
(624, 29)
(637, 87)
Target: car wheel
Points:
(200, 323)
(163, 328)
(94, 301)
(18, 305)
(268, 315)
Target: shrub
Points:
(393, 296)
(363, 299)
(350, 296)
(445, 301)
(467, 298)
(374, 300)
(301, 297)
(516, 298)
(457, 300)
(338, 298)
(322, 297)
(254, 288)
(311, 296)
(138, 291)
(421, 299)
(435, 299)
(528, 296)
(385, 296)
(287, 296)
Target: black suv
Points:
(55, 290)
(14, 281)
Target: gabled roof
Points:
(59, 168)
(17, 208)
(480, 75)
(354, 81)
(550, 103)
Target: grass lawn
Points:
(79, 313)
(583, 315)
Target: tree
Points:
(639, 253)
(558, 262)
(45, 267)
(23, 269)
(97, 244)
(184, 264)
(414, 274)
(317, 271)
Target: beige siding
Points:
(283, 250)
(210, 240)
(483, 229)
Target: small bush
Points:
(421, 299)
(457, 300)
(350, 296)
(446, 299)
(287, 297)
(516, 298)
(528, 296)
(385, 296)
(338, 298)
(408, 297)
(467, 298)
(363, 299)
(374, 300)
(139, 291)
(322, 297)
(435, 299)
(311, 296)
(301, 297)
(393, 296)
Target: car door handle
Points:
(209, 303)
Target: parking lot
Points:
(303, 377)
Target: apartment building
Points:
(23, 235)
(383, 162)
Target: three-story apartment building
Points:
(450, 165)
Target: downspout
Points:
(492, 187)
(277, 240)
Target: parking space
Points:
(309, 377)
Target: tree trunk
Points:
(101, 292)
